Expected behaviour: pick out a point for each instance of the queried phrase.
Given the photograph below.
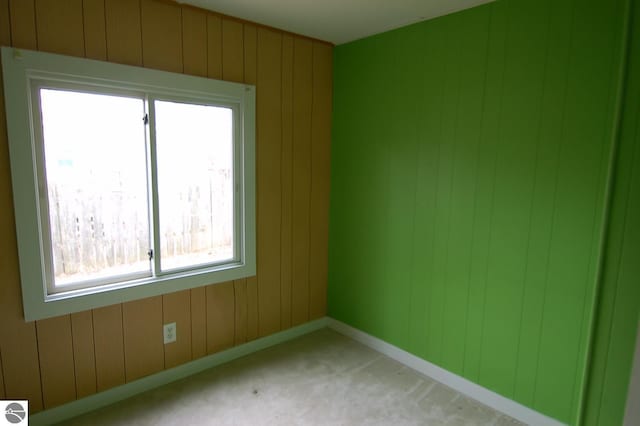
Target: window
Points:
(128, 182)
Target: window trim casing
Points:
(19, 67)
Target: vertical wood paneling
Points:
(250, 53)
(320, 171)
(198, 322)
(252, 308)
(428, 131)
(55, 350)
(513, 195)
(109, 347)
(240, 295)
(93, 351)
(95, 39)
(232, 51)
(2, 394)
(220, 317)
(5, 23)
(613, 363)
(60, 27)
(619, 304)
(176, 307)
(194, 41)
(84, 357)
(250, 71)
(287, 181)
(143, 340)
(547, 157)
(464, 189)
(399, 170)
(19, 349)
(161, 36)
(124, 36)
(608, 67)
(487, 157)
(23, 24)
(514, 124)
(302, 101)
(214, 46)
(442, 210)
(233, 70)
(366, 179)
(577, 215)
(18, 343)
(268, 154)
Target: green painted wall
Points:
(470, 161)
(619, 294)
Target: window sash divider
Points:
(153, 187)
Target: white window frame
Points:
(23, 70)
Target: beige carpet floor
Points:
(322, 378)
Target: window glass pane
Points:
(95, 161)
(195, 183)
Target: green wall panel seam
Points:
(454, 148)
(555, 199)
(475, 189)
(493, 191)
(535, 180)
(439, 167)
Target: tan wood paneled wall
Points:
(58, 360)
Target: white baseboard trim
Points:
(110, 396)
(460, 384)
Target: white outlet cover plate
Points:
(169, 333)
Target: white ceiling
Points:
(335, 21)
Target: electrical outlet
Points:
(170, 334)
